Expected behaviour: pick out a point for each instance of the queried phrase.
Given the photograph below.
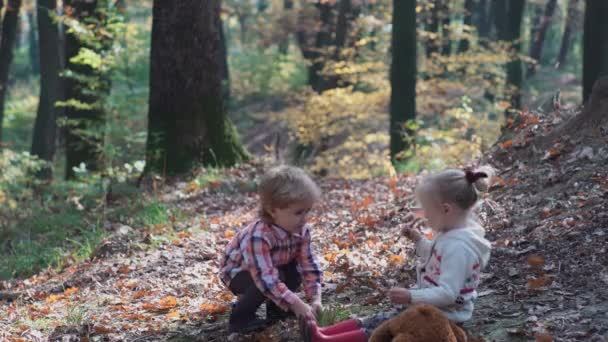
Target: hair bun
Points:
(473, 176)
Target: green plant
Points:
(332, 314)
(76, 315)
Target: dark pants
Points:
(250, 297)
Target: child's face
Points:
(293, 217)
(436, 213)
(441, 216)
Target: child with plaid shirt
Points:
(269, 259)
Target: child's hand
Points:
(410, 227)
(399, 295)
(302, 310)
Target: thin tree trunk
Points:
(432, 45)
(567, 36)
(344, 11)
(284, 44)
(187, 120)
(536, 43)
(469, 8)
(508, 18)
(595, 41)
(446, 49)
(45, 127)
(223, 55)
(81, 148)
(323, 41)
(33, 42)
(402, 77)
(7, 44)
(485, 20)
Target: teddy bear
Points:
(420, 323)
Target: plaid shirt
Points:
(260, 248)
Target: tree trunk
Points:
(45, 127)
(485, 17)
(567, 36)
(322, 42)
(33, 40)
(446, 48)
(508, 16)
(187, 121)
(7, 44)
(432, 26)
(223, 55)
(81, 148)
(403, 77)
(536, 43)
(595, 50)
(344, 11)
(469, 8)
(284, 44)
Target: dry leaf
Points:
(53, 298)
(168, 303)
(536, 283)
(173, 315)
(543, 337)
(98, 329)
(228, 234)
(507, 144)
(396, 259)
(536, 261)
(226, 296)
(213, 309)
(70, 291)
(141, 294)
(183, 235)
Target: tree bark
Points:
(402, 77)
(567, 36)
(469, 8)
(33, 43)
(485, 17)
(284, 44)
(45, 126)
(536, 43)
(187, 120)
(446, 48)
(595, 50)
(81, 148)
(432, 45)
(508, 16)
(7, 44)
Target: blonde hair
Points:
(460, 187)
(284, 185)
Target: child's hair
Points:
(458, 186)
(284, 185)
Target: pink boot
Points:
(344, 326)
(311, 333)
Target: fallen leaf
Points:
(168, 303)
(228, 234)
(536, 261)
(396, 259)
(98, 329)
(213, 308)
(141, 294)
(507, 144)
(543, 337)
(183, 235)
(53, 298)
(536, 283)
(70, 291)
(226, 296)
(173, 315)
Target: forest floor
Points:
(547, 279)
